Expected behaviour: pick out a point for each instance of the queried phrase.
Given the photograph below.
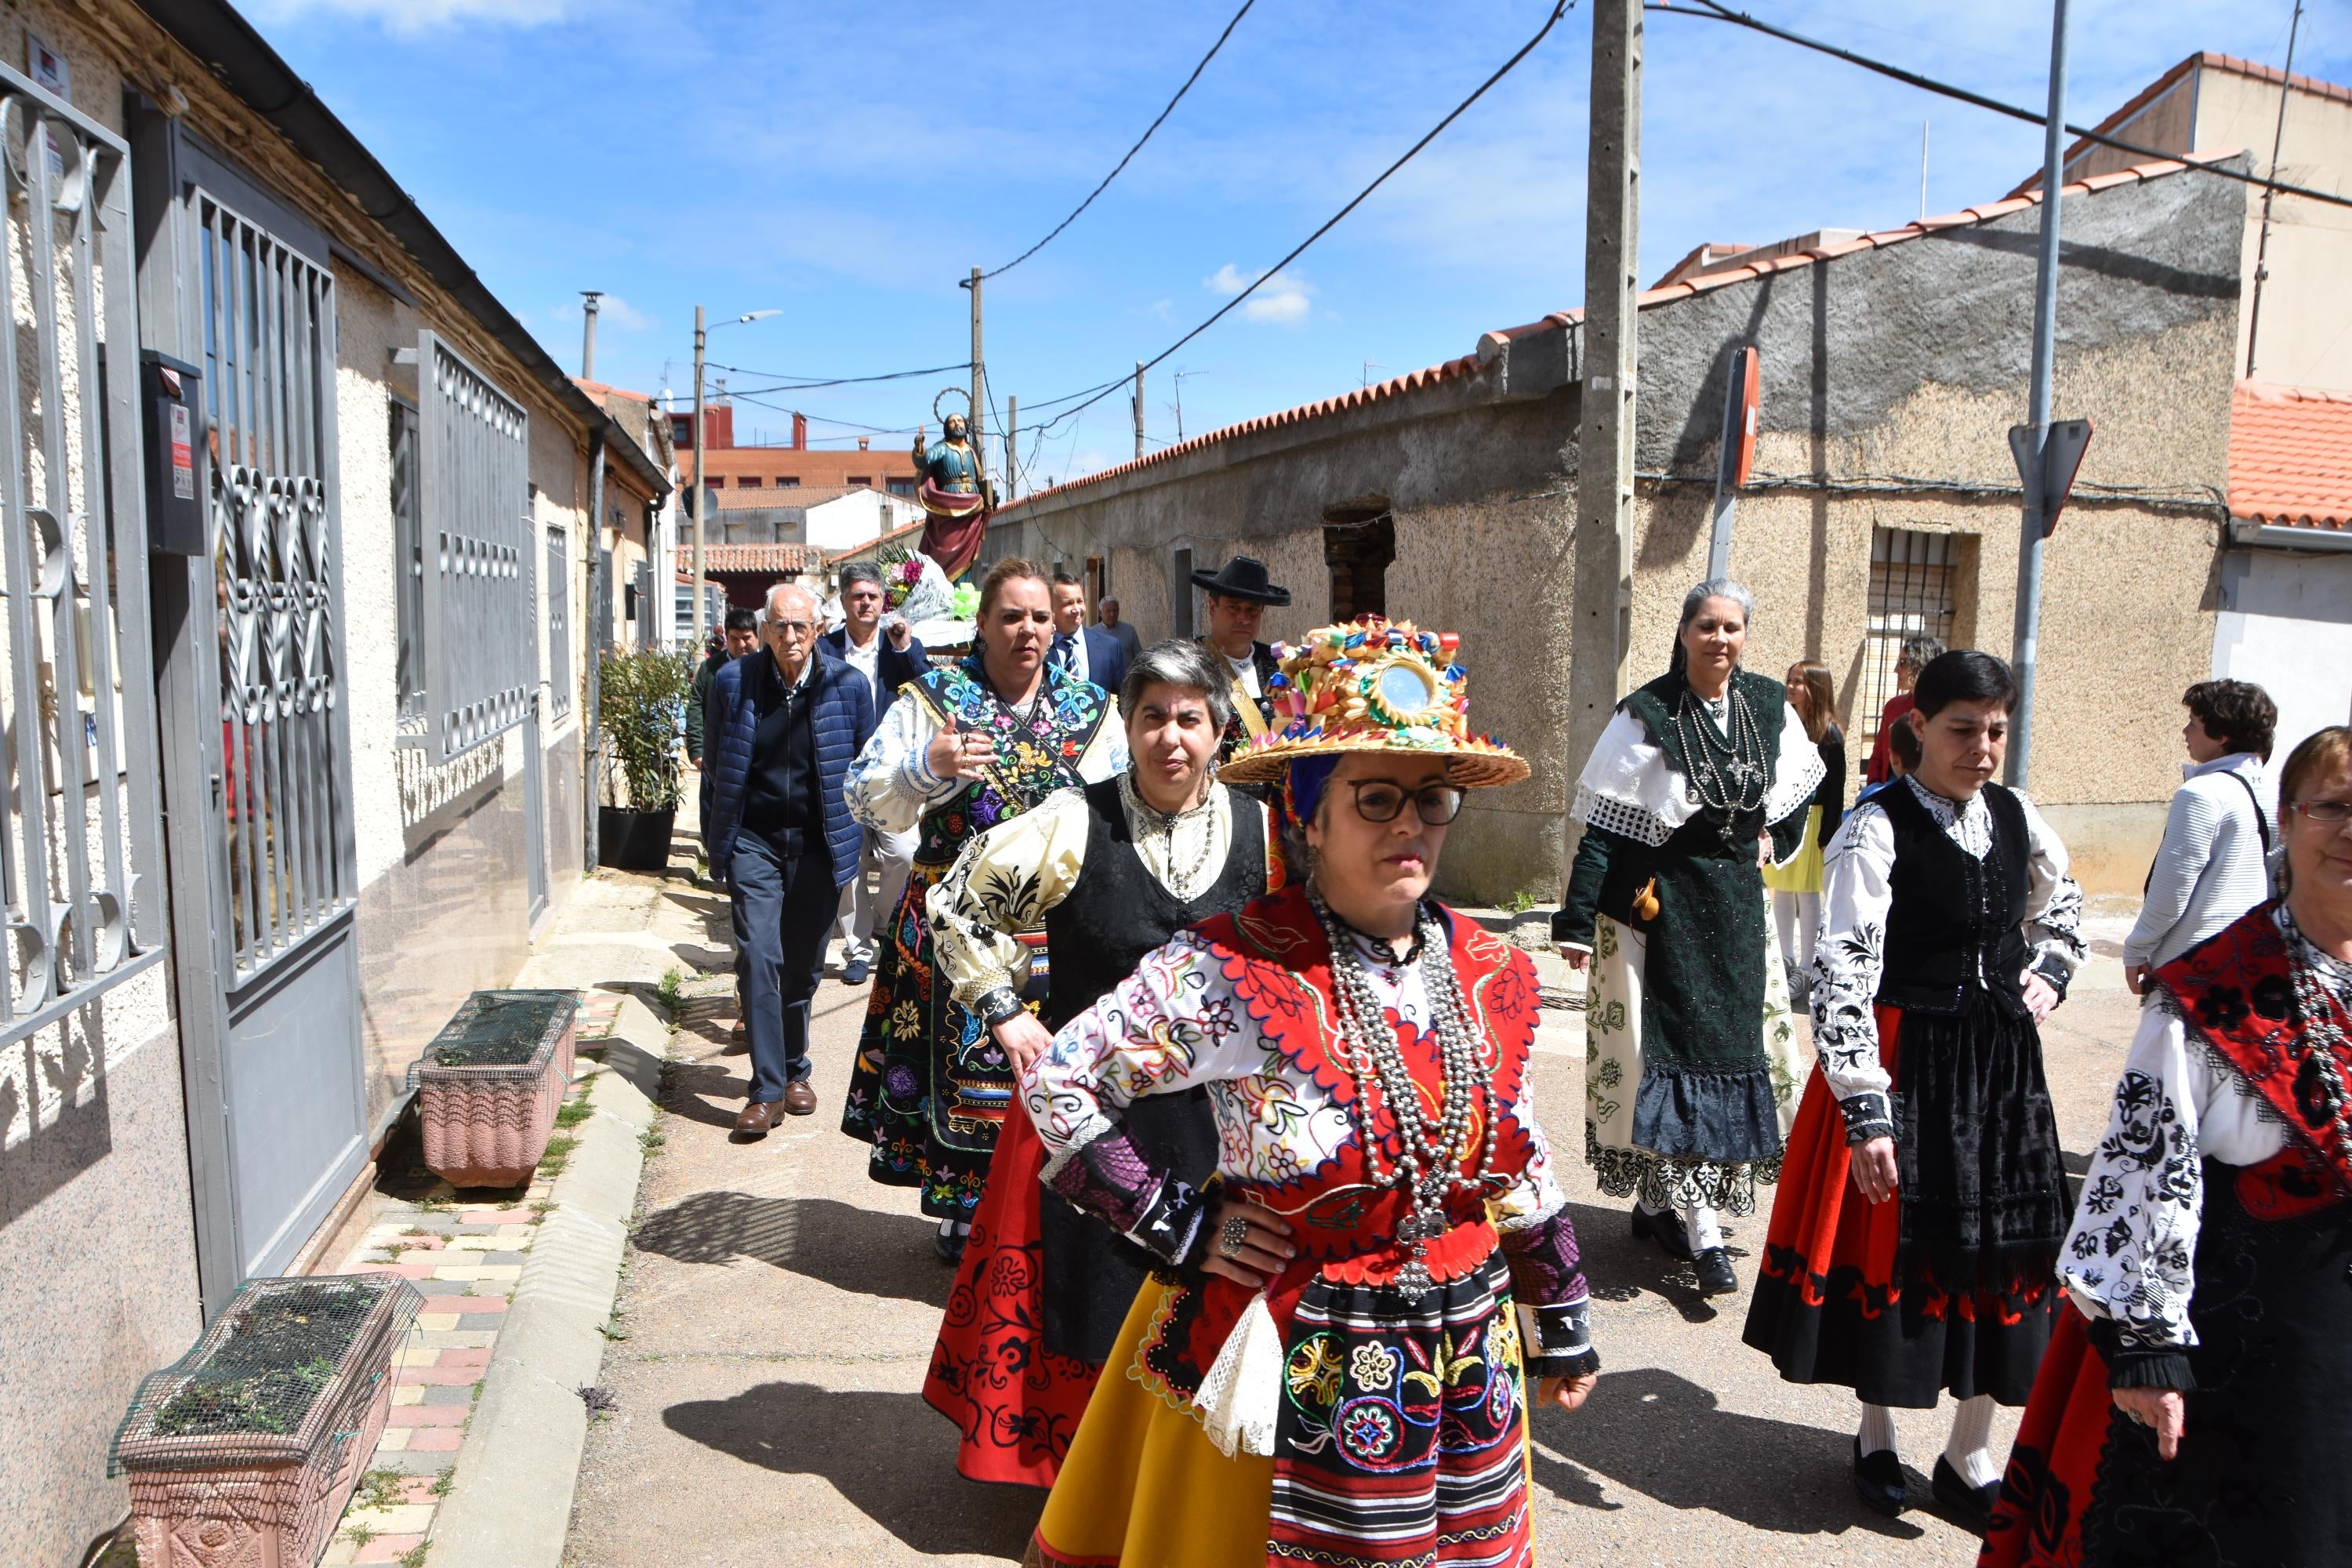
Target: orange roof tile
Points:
(736, 497)
(1666, 294)
(2291, 456)
(750, 557)
(904, 533)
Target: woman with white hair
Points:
(1701, 778)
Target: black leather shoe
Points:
(1878, 1478)
(1971, 1507)
(856, 972)
(1666, 1229)
(949, 1245)
(1714, 1275)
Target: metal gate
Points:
(258, 775)
(1911, 593)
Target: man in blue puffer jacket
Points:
(782, 727)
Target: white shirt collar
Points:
(2236, 762)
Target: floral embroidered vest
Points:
(1032, 759)
(2235, 991)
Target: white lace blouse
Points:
(1850, 958)
(2132, 1253)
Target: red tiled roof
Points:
(730, 497)
(2290, 457)
(903, 533)
(1468, 365)
(750, 557)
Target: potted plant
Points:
(243, 1453)
(642, 710)
(489, 1085)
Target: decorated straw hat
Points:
(1373, 685)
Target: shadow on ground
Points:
(888, 1453)
(850, 1248)
(1653, 1432)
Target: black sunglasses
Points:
(1378, 800)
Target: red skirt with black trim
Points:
(1018, 1402)
(1839, 1298)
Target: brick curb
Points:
(509, 1504)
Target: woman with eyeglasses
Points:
(2196, 1403)
(1381, 1266)
(1920, 1208)
(1701, 779)
(1108, 872)
(964, 748)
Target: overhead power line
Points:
(1096, 394)
(788, 381)
(1132, 152)
(1712, 11)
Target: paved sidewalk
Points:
(614, 941)
(779, 1313)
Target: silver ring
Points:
(1232, 1235)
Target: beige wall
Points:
(2306, 303)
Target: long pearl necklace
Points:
(1729, 771)
(1164, 824)
(1429, 1154)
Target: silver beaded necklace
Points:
(1429, 1156)
(1729, 771)
(1164, 824)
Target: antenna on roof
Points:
(1923, 171)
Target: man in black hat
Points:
(1239, 592)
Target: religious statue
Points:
(957, 498)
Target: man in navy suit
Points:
(887, 659)
(1079, 649)
(781, 732)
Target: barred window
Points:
(558, 590)
(1911, 592)
(408, 570)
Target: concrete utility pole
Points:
(1604, 485)
(2033, 520)
(701, 476)
(591, 300)
(1011, 450)
(975, 425)
(1138, 408)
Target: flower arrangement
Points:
(902, 570)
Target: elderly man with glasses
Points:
(783, 731)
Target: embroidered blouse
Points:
(1850, 957)
(2132, 1254)
(891, 784)
(1178, 1021)
(1007, 878)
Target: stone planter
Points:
(489, 1085)
(244, 1452)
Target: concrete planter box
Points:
(489, 1085)
(244, 1453)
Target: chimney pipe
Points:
(864, 442)
(800, 432)
(591, 301)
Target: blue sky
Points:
(846, 165)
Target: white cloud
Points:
(1285, 298)
(410, 18)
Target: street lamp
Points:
(701, 450)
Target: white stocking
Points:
(1969, 1451)
(1877, 1434)
(1701, 1229)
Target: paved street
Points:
(779, 1311)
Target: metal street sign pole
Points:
(2033, 524)
(702, 477)
(1738, 455)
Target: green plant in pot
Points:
(641, 705)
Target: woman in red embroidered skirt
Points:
(2196, 1405)
(1108, 872)
(1383, 1262)
(1923, 1199)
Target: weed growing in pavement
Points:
(1520, 903)
(673, 990)
(380, 1488)
(612, 1329)
(651, 1139)
(599, 1401)
(391, 1250)
(412, 1558)
(359, 1535)
(573, 1112)
(559, 1153)
(443, 1481)
(418, 1231)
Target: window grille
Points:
(269, 394)
(1911, 592)
(80, 872)
(474, 527)
(408, 571)
(559, 620)
(645, 609)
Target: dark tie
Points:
(1065, 656)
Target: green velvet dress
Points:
(1692, 1070)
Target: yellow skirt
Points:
(1143, 1487)
(1802, 874)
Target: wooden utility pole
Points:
(975, 425)
(1138, 408)
(1604, 485)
